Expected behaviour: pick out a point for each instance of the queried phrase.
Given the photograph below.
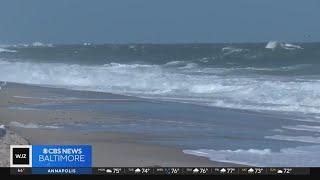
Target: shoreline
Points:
(109, 148)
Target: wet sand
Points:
(33, 126)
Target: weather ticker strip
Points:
(77, 160)
(162, 171)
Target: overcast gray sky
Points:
(158, 21)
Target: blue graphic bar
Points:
(60, 170)
(61, 159)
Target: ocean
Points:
(278, 80)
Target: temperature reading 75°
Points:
(258, 170)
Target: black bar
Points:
(315, 171)
(20, 171)
(169, 171)
(278, 171)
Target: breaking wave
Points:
(275, 44)
(32, 125)
(2, 50)
(186, 83)
(305, 156)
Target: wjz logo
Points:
(20, 156)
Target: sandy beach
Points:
(39, 126)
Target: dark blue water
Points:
(267, 94)
(272, 76)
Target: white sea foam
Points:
(40, 44)
(23, 45)
(307, 139)
(66, 99)
(87, 44)
(158, 81)
(305, 156)
(189, 66)
(23, 108)
(2, 126)
(29, 97)
(277, 130)
(287, 46)
(175, 63)
(28, 126)
(205, 59)
(291, 46)
(232, 50)
(3, 50)
(272, 45)
(283, 68)
(32, 125)
(303, 128)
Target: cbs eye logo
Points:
(20, 156)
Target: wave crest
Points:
(275, 45)
(232, 50)
(3, 50)
(189, 82)
(305, 156)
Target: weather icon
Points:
(137, 170)
(279, 171)
(195, 170)
(223, 170)
(250, 170)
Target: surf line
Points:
(72, 99)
